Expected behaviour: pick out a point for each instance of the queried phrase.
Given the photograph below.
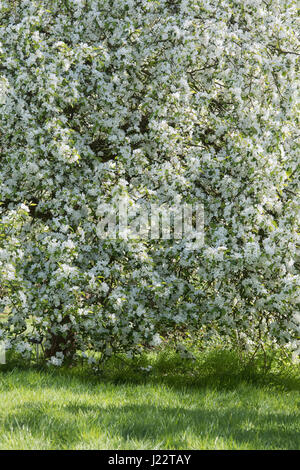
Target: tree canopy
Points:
(164, 102)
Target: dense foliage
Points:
(149, 101)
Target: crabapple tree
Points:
(151, 102)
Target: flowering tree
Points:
(154, 101)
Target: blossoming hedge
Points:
(152, 101)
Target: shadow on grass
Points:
(170, 426)
(219, 370)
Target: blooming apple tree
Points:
(150, 101)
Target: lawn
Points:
(212, 404)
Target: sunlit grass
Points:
(211, 403)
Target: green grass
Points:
(213, 403)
